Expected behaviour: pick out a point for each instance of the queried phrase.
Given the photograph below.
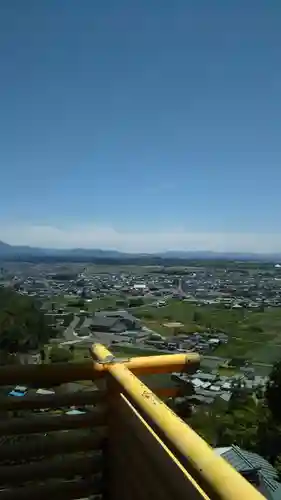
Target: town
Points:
(224, 312)
(227, 312)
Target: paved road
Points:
(69, 331)
(180, 288)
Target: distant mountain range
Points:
(18, 252)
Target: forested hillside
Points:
(23, 326)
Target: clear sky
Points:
(141, 124)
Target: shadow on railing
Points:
(114, 438)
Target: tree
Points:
(60, 355)
(23, 325)
(251, 423)
(239, 398)
(269, 437)
(237, 362)
(79, 303)
(138, 301)
(207, 421)
(223, 425)
(255, 328)
(197, 316)
(42, 355)
(240, 427)
(143, 314)
(277, 466)
(181, 406)
(121, 302)
(273, 392)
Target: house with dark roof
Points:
(107, 324)
(114, 322)
(120, 314)
(254, 468)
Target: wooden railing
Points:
(152, 453)
(46, 452)
(125, 443)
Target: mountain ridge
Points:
(7, 250)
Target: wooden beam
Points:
(50, 446)
(56, 490)
(37, 402)
(79, 398)
(48, 423)
(66, 467)
(48, 375)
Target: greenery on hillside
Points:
(58, 354)
(23, 326)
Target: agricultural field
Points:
(99, 304)
(74, 304)
(255, 335)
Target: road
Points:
(69, 331)
(180, 289)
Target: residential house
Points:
(127, 320)
(254, 468)
(108, 324)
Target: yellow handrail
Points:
(217, 478)
(145, 365)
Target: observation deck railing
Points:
(113, 438)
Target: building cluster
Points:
(230, 287)
(206, 387)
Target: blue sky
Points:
(141, 124)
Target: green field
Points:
(71, 304)
(254, 335)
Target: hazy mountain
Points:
(4, 246)
(6, 249)
(209, 255)
(17, 251)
